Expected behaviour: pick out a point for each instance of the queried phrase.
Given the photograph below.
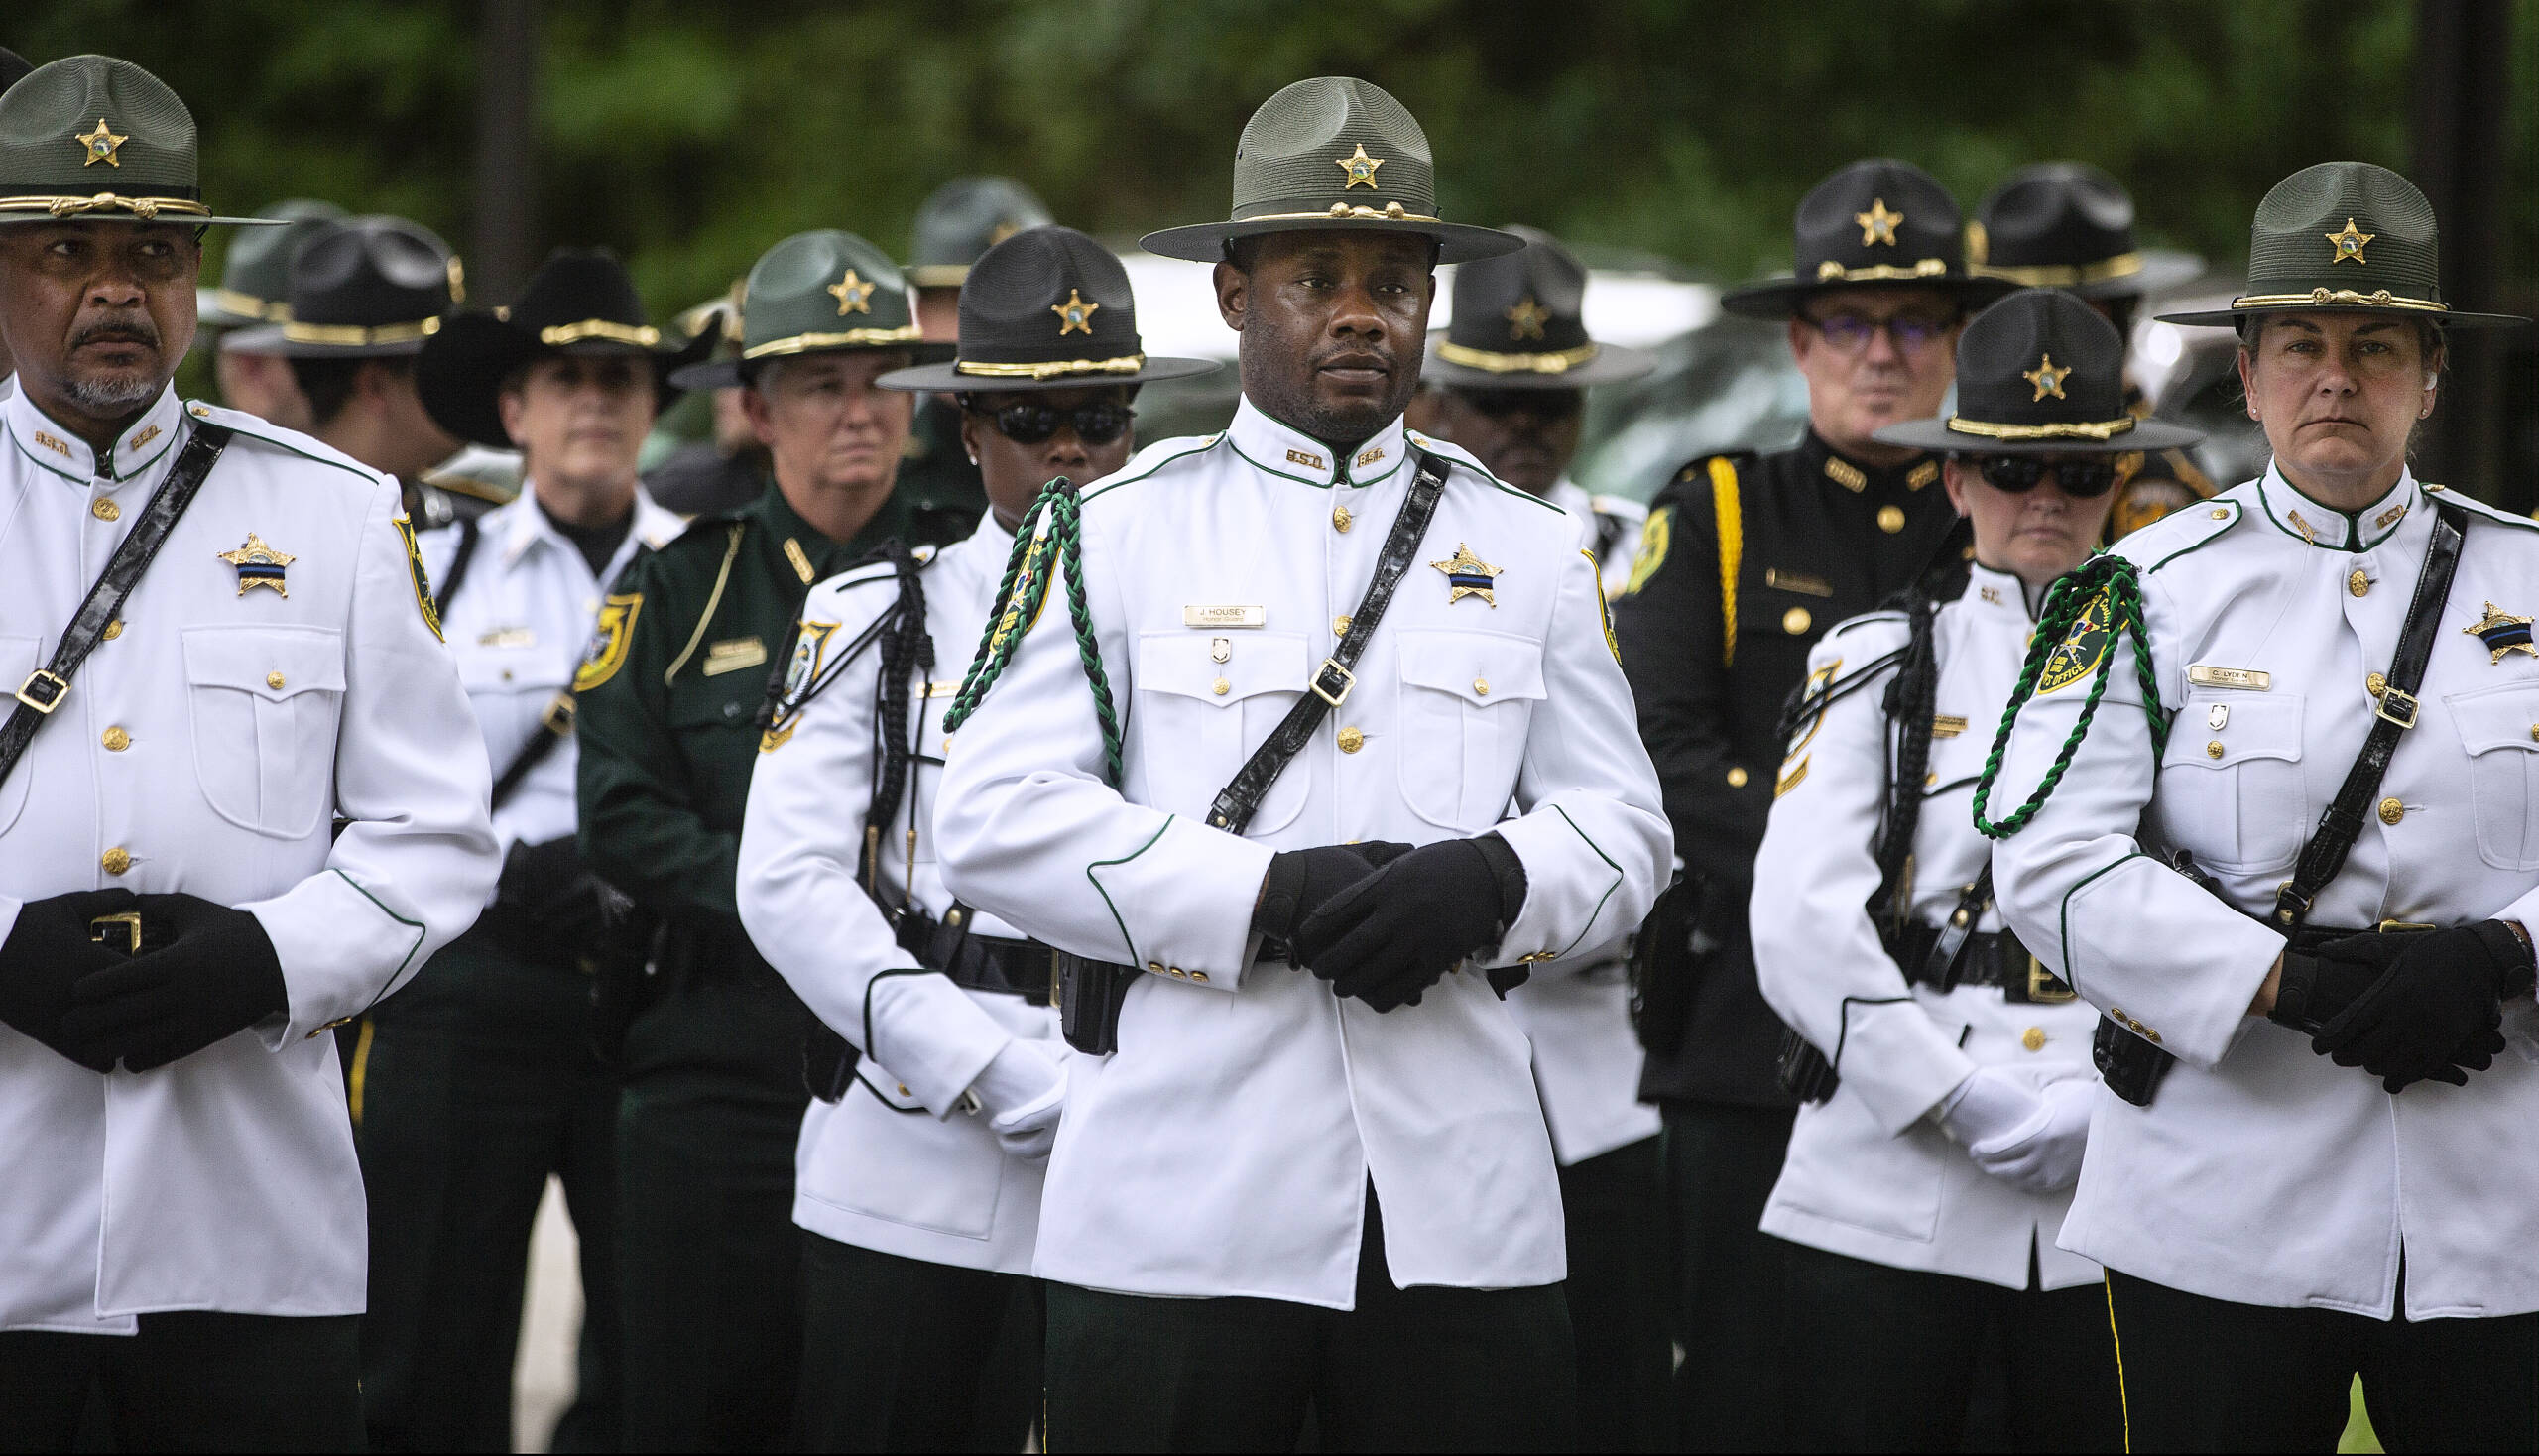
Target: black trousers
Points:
(1408, 1370)
(1614, 1204)
(709, 1262)
(902, 1355)
(475, 1083)
(1886, 1359)
(2209, 1375)
(1721, 1163)
(188, 1382)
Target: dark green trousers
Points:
(709, 1262)
(187, 1382)
(1423, 1368)
(1615, 1209)
(1886, 1359)
(1721, 1163)
(902, 1355)
(477, 1082)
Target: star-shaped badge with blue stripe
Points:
(259, 565)
(2503, 633)
(1468, 576)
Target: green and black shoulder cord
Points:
(1050, 537)
(2086, 612)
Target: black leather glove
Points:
(1301, 881)
(547, 905)
(2433, 1014)
(204, 972)
(1390, 936)
(48, 950)
(2316, 988)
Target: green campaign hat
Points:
(1876, 222)
(2344, 237)
(1047, 308)
(2039, 373)
(255, 278)
(2069, 225)
(818, 293)
(964, 219)
(367, 288)
(1518, 322)
(1333, 153)
(93, 137)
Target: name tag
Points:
(508, 637)
(2203, 676)
(1797, 581)
(1225, 616)
(1947, 725)
(734, 655)
(941, 689)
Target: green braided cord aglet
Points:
(2071, 595)
(1088, 647)
(996, 639)
(1052, 534)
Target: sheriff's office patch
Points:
(414, 568)
(1035, 561)
(1604, 609)
(2081, 649)
(1812, 701)
(801, 675)
(610, 637)
(1653, 538)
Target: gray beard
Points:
(105, 398)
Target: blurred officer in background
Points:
(247, 359)
(938, 481)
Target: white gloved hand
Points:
(1024, 1091)
(2043, 1154)
(1989, 1103)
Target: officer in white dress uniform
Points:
(181, 1209)
(1211, 1219)
(2312, 1158)
(1950, 1081)
(919, 1184)
(1508, 381)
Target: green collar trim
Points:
(40, 461)
(1199, 446)
(2353, 525)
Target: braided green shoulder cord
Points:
(2119, 583)
(1056, 537)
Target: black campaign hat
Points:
(578, 302)
(14, 68)
(1333, 153)
(2069, 225)
(366, 288)
(2344, 237)
(1047, 308)
(255, 274)
(1878, 222)
(2039, 373)
(1518, 323)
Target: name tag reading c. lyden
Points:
(1225, 616)
(2203, 675)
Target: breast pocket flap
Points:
(2252, 728)
(272, 663)
(2492, 718)
(1480, 667)
(1186, 665)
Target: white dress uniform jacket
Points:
(1226, 1148)
(518, 625)
(1613, 523)
(1870, 1172)
(903, 1164)
(2264, 1174)
(207, 747)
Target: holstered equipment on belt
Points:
(1091, 992)
(2133, 1067)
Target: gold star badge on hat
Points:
(1075, 316)
(2503, 633)
(1526, 320)
(1878, 225)
(259, 565)
(2348, 243)
(854, 295)
(1468, 576)
(100, 145)
(1360, 166)
(2047, 378)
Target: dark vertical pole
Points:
(506, 149)
(2461, 94)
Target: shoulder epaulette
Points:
(1149, 460)
(2180, 531)
(264, 431)
(2476, 507)
(1455, 455)
(469, 486)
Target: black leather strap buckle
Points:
(2395, 697)
(1327, 675)
(43, 690)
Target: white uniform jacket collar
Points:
(36, 437)
(1277, 448)
(2296, 515)
(519, 526)
(1988, 592)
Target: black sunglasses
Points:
(1027, 424)
(1542, 403)
(2019, 474)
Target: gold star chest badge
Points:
(99, 146)
(1526, 320)
(1075, 316)
(259, 564)
(1878, 225)
(1469, 576)
(2349, 244)
(2047, 378)
(854, 295)
(2503, 633)
(1360, 166)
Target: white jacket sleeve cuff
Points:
(1183, 901)
(929, 1037)
(341, 948)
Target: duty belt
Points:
(996, 963)
(1991, 958)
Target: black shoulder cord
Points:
(1911, 702)
(468, 534)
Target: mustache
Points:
(132, 328)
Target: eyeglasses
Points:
(2019, 474)
(1027, 424)
(1542, 403)
(1848, 333)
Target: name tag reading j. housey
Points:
(1225, 616)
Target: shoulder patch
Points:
(2077, 656)
(1604, 609)
(422, 585)
(610, 637)
(1654, 538)
(802, 672)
